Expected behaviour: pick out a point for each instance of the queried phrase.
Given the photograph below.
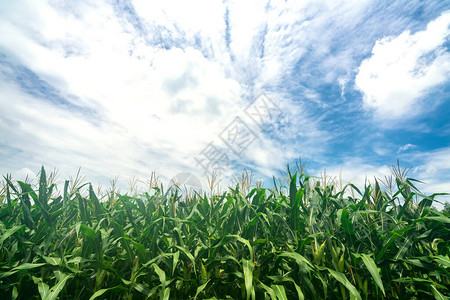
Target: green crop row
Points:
(299, 241)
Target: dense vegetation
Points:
(305, 239)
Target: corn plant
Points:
(304, 240)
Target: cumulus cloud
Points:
(404, 68)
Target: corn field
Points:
(299, 240)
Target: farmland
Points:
(301, 239)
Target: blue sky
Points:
(130, 87)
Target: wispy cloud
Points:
(433, 168)
(134, 86)
(356, 171)
(173, 97)
(405, 147)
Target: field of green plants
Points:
(303, 239)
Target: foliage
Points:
(303, 240)
(446, 210)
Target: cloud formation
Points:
(403, 69)
(133, 86)
(405, 147)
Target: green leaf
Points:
(437, 294)
(404, 190)
(123, 241)
(142, 288)
(419, 280)
(55, 261)
(24, 266)
(10, 232)
(115, 289)
(140, 249)
(201, 288)
(279, 292)
(405, 246)
(176, 257)
(390, 241)
(65, 194)
(342, 279)
(268, 290)
(42, 287)
(57, 288)
(161, 274)
(43, 189)
(165, 294)
(294, 201)
(445, 261)
(318, 255)
(98, 208)
(15, 293)
(277, 279)
(203, 273)
(248, 278)
(188, 254)
(441, 219)
(303, 263)
(28, 266)
(246, 242)
(346, 222)
(372, 267)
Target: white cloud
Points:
(24, 173)
(153, 90)
(403, 69)
(434, 163)
(150, 103)
(434, 171)
(355, 171)
(405, 147)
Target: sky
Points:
(128, 87)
